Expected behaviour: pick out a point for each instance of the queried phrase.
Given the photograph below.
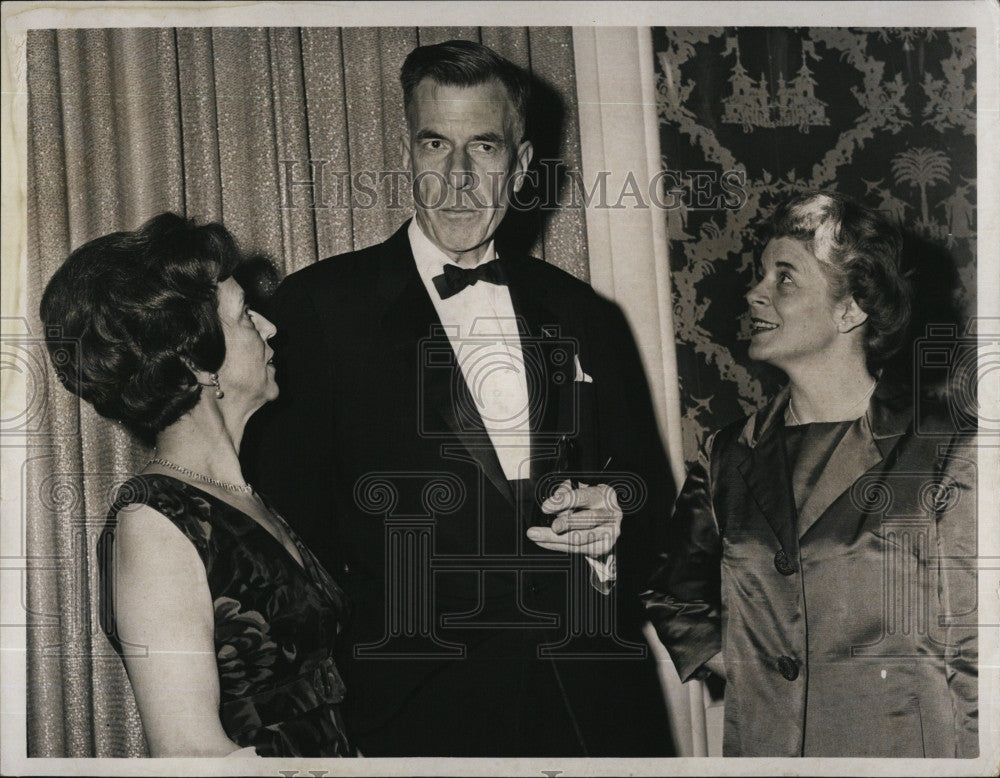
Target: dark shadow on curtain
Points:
(545, 127)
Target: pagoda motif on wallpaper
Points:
(887, 116)
(793, 104)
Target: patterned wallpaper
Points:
(751, 115)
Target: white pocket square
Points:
(580, 375)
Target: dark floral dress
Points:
(276, 621)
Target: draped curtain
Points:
(627, 237)
(280, 134)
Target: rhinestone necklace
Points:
(229, 487)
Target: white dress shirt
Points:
(482, 327)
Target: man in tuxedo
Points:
(441, 397)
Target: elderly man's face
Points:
(465, 158)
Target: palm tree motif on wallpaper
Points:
(921, 168)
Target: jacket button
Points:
(785, 564)
(346, 568)
(788, 668)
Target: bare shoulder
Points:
(144, 534)
(157, 569)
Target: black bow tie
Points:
(455, 279)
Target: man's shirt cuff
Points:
(604, 573)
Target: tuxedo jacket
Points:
(848, 627)
(466, 638)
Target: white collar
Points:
(429, 258)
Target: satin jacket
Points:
(848, 628)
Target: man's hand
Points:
(588, 520)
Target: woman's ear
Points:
(850, 316)
(202, 377)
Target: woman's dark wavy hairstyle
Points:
(859, 251)
(127, 313)
(465, 63)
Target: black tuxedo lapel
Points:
(415, 332)
(765, 471)
(548, 359)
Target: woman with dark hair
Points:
(224, 619)
(821, 555)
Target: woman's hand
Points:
(166, 623)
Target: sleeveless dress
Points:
(276, 621)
